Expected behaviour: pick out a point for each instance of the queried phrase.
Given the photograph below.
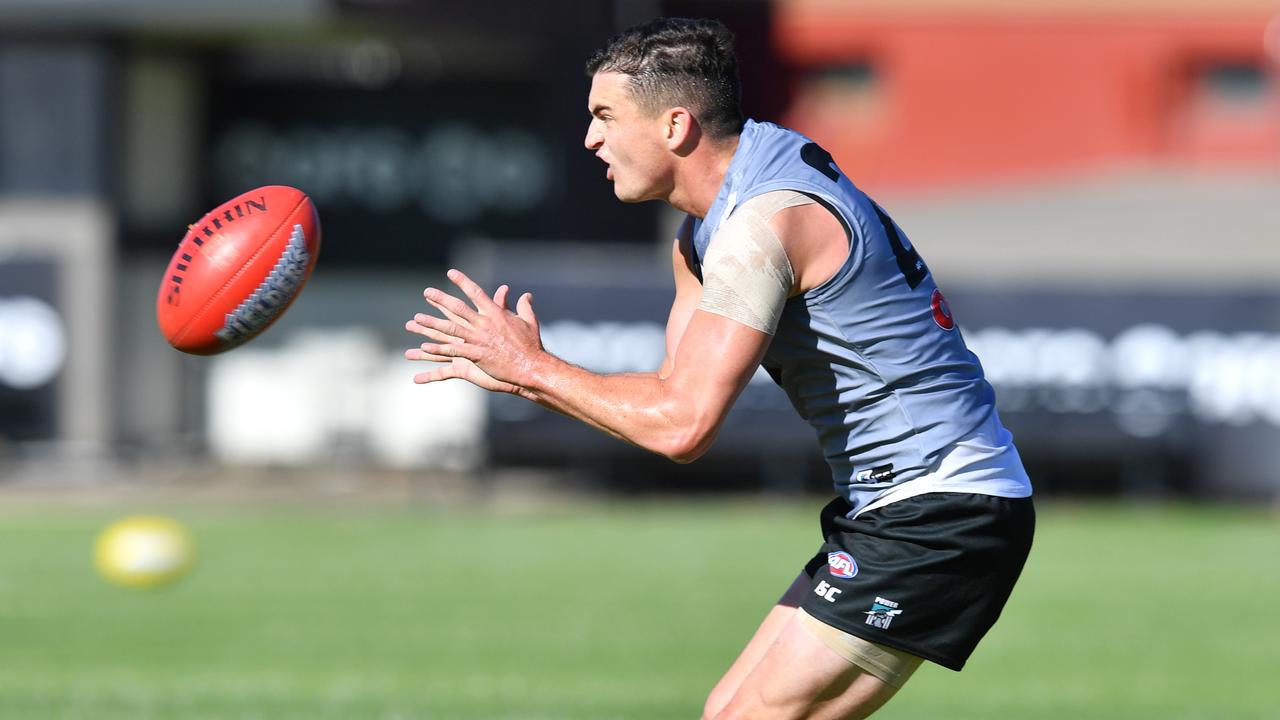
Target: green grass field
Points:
(602, 611)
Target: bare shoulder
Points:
(814, 239)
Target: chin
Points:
(625, 196)
(631, 195)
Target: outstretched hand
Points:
(481, 342)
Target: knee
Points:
(737, 706)
(716, 702)
(742, 706)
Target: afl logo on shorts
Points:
(942, 311)
(841, 565)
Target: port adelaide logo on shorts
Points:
(841, 564)
(882, 613)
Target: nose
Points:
(594, 138)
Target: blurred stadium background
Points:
(1096, 186)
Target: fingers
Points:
(420, 354)
(434, 335)
(436, 374)
(458, 310)
(448, 351)
(524, 310)
(440, 337)
(438, 329)
(473, 291)
(448, 339)
(451, 315)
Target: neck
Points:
(700, 175)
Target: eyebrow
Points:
(596, 110)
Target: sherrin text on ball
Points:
(238, 269)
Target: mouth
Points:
(608, 167)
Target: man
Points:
(783, 262)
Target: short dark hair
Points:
(679, 61)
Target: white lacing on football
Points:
(272, 296)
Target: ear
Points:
(681, 129)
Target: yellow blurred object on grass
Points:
(144, 551)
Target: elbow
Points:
(684, 447)
(689, 430)
(684, 457)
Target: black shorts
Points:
(928, 574)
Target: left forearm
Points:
(639, 408)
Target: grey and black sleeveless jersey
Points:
(872, 358)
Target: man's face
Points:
(632, 143)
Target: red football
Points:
(238, 269)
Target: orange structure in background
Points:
(916, 95)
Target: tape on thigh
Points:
(891, 665)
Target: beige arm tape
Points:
(891, 665)
(746, 275)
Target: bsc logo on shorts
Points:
(841, 565)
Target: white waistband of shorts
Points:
(972, 466)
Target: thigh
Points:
(799, 676)
(764, 637)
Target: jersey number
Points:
(909, 262)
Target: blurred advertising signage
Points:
(1147, 377)
(450, 173)
(33, 349)
(400, 173)
(1150, 361)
